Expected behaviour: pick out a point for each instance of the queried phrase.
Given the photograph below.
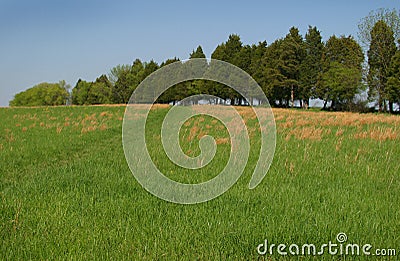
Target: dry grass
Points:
(339, 132)
(313, 125)
(222, 141)
(304, 125)
(341, 119)
(193, 133)
(308, 133)
(66, 123)
(9, 135)
(379, 134)
(106, 114)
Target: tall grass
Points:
(66, 191)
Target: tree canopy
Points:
(291, 70)
(382, 49)
(42, 94)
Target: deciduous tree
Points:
(42, 94)
(380, 53)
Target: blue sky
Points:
(52, 40)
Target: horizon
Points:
(73, 40)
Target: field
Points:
(66, 190)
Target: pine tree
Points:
(292, 55)
(311, 67)
(392, 93)
(198, 53)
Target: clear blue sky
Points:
(52, 40)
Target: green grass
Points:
(67, 193)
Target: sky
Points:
(53, 40)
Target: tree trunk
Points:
(391, 107)
(292, 96)
(325, 103)
(305, 103)
(380, 103)
(333, 105)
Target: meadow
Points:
(66, 190)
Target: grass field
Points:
(67, 193)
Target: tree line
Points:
(291, 71)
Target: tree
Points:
(341, 56)
(365, 26)
(311, 67)
(80, 92)
(256, 66)
(380, 53)
(272, 76)
(198, 53)
(169, 95)
(100, 91)
(231, 52)
(393, 83)
(97, 92)
(42, 94)
(67, 88)
(343, 84)
(196, 87)
(128, 81)
(256, 63)
(117, 71)
(292, 55)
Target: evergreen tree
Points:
(170, 94)
(198, 53)
(230, 52)
(80, 92)
(256, 67)
(392, 93)
(272, 76)
(100, 91)
(292, 55)
(311, 67)
(97, 92)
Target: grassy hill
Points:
(66, 190)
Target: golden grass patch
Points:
(193, 132)
(9, 135)
(103, 127)
(339, 132)
(219, 141)
(379, 134)
(308, 133)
